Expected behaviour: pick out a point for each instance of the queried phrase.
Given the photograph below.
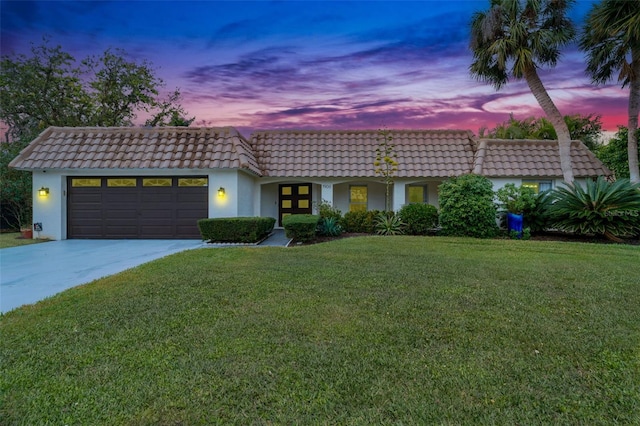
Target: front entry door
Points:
(294, 199)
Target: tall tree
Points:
(611, 39)
(512, 40)
(48, 88)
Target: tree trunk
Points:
(634, 108)
(556, 119)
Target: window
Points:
(193, 182)
(156, 182)
(121, 182)
(358, 198)
(77, 183)
(417, 194)
(538, 186)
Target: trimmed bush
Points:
(236, 229)
(419, 218)
(467, 208)
(360, 221)
(604, 208)
(301, 227)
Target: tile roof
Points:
(351, 153)
(300, 153)
(137, 148)
(539, 158)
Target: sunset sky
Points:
(312, 65)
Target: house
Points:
(94, 182)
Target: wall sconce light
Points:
(221, 192)
(43, 192)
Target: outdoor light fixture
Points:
(43, 192)
(221, 192)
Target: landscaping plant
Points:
(386, 164)
(516, 199)
(536, 218)
(419, 218)
(467, 208)
(604, 208)
(301, 227)
(388, 223)
(329, 227)
(359, 221)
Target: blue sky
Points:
(308, 64)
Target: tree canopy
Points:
(615, 154)
(50, 88)
(586, 128)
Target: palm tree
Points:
(515, 37)
(611, 38)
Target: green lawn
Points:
(371, 330)
(13, 239)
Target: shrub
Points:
(301, 227)
(467, 208)
(360, 221)
(419, 218)
(235, 229)
(516, 199)
(536, 218)
(602, 208)
(329, 226)
(326, 210)
(388, 223)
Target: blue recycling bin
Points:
(514, 223)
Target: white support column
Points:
(398, 195)
(327, 193)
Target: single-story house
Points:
(94, 182)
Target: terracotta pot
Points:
(27, 233)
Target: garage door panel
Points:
(157, 198)
(89, 198)
(156, 214)
(111, 214)
(192, 195)
(120, 196)
(136, 212)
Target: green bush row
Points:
(301, 227)
(236, 229)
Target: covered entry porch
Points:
(279, 198)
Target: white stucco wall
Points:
(238, 199)
(50, 210)
(246, 189)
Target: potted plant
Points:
(516, 200)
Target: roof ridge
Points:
(335, 131)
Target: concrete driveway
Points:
(33, 272)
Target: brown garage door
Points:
(136, 207)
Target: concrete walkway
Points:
(34, 272)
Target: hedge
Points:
(301, 227)
(236, 229)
